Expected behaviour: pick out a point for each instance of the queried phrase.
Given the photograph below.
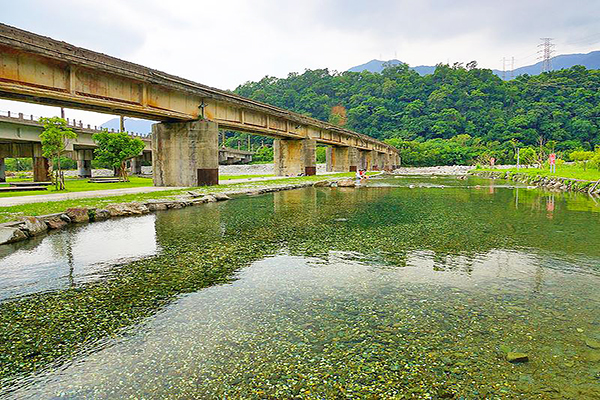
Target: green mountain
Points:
(468, 109)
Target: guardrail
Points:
(71, 122)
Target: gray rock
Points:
(33, 226)
(322, 184)
(102, 214)
(127, 209)
(209, 198)
(78, 214)
(10, 235)
(346, 183)
(221, 196)
(156, 206)
(57, 222)
(195, 194)
(65, 218)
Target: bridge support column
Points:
(135, 165)
(84, 163)
(2, 170)
(41, 169)
(294, 157)
(353, 158)
(366, 160)
(185, 153)
(337, 159)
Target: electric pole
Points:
(512, 68)
(546, 51)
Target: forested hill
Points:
(560, 108)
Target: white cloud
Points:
(226, 43)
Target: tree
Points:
(115, 148)
(54, 138)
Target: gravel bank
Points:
(441, 170)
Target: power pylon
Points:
(546, 51)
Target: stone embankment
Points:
(547, 182)
(442, 170)
(28, 227)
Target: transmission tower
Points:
(546, 51)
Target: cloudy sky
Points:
(224, 43)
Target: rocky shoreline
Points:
(28, 227)
(546, 182)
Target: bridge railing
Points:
(71, 122)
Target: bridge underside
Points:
(41, 70)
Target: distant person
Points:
(358, 174)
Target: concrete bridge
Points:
(19, 138)
(38, 69)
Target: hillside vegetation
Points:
(458, 115)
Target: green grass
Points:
(81, 185)
(12, 213)
(563, 171)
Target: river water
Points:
(412, 287)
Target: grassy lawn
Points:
(81, 185)
(14, 212)
(563, 171)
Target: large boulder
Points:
(101, 214)
(33, 226)
(156, 206)
(127, 209)
(208, 198)
(78, 214)
(346, 183)
(57, 222)
(10, 235)
(221, 196)
(322, 184)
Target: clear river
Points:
(409, 288)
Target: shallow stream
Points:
(411, 287)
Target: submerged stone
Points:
(593, 343)
(514, 357)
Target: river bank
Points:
(23, 225)
(547, 182)
(441, 170)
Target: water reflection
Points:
(73, 256)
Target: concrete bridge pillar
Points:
(294, 157)
(185, 153)
(41, 169)
(84, 163)
(41, 165)
(135, 165)
(366, 160)
(338, 159)
(353, 158)
(2, 170)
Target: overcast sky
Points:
(224, 43)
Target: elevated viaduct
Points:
(41, 70)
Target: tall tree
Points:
(55, 138)
(115, 148)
